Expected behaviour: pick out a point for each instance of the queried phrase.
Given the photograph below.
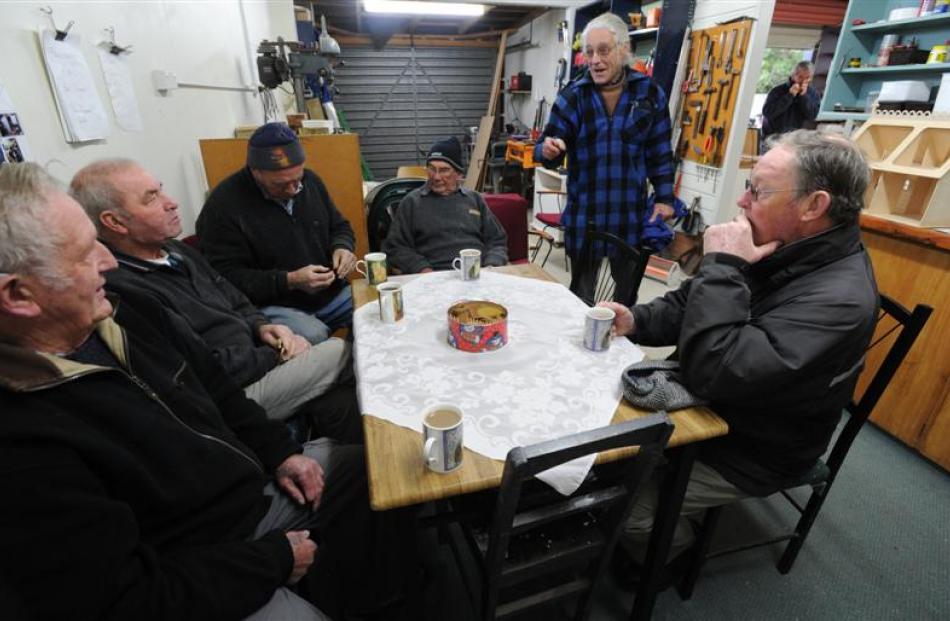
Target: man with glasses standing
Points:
(613, 125)
(772, 329)
(433, 223)
(273, 231)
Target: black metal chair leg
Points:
(668, 510)
(804, 525)
(698, 554)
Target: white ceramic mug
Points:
(374, 267)
(597, 328)
(442, 437)
(390, 302)
(469, 263)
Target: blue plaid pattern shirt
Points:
(611, 158)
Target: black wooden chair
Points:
(542, 546)
(593, 257)
(381, 204)
(895, 323)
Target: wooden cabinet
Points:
(912, 265)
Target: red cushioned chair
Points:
(512, 212)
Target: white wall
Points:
(719, 189)
(540, 62)
(205, 42)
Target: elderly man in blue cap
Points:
(273, 231)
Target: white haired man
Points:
(615, 125)
(279, 369)
(772, 329)
(141, 483)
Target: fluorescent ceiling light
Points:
(414, 7)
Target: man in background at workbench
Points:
(615, 124)
(791, 104)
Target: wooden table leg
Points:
(668, 508)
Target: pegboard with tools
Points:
(716, 58)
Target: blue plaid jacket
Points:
(611, 159)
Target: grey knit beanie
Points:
(657, 385)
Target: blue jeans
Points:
(317, 326)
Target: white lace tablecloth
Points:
(542, 385)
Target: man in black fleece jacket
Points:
(277, 368)
(141, 482)
(273, 231)
(433, 223)
(772, 330)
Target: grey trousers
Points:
(340, 464)
(706, 488)
(288, 386)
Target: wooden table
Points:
(398, 477)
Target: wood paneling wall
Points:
(916, 406)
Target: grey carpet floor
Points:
(880, 549)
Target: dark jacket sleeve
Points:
(400, 245)
(657, 324)
(238, 301)
(808, 104)
(226, 246)
(493, 235)
(776, 103)
(725, 355)
(341, 233)
(102, 568)
(240, 365)
(269, 439)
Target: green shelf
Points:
(915, 23)
(842, 116)
(919, 68)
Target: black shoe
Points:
(627, 572)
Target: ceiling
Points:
(349, 17)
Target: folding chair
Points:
(893, 318)
(549, 220)
(595, 255)
(542, 546)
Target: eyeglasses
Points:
(602, 50)
(757, 192)
(441, 172)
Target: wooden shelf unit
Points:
(910, 161)
(851, 86)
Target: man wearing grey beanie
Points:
(434, 222)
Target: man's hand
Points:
(343, 262)
(795, 89)
(623, 321)
(662, 210)
(302, 479)
(283, 339)
(735, 238)
(552, 148)
(425, 270)
(310, 278)
(304, 550)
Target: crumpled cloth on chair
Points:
(657, 385)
